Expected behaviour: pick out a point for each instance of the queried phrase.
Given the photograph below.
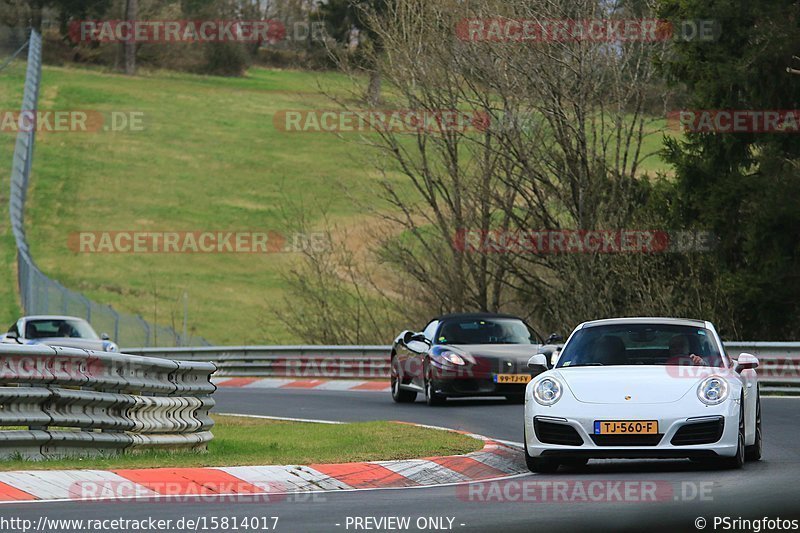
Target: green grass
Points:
(209, 158)
(242, 441)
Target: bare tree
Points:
(554, 140)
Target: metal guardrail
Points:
(62, 401)
(41, 295)
(779, 364)
(779, 369)
(283, 361)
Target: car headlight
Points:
(547, 391)
(713, 390)
(110, 347)
(454, 358)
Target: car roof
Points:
(649, 320)
(471, 316)
(52, 317)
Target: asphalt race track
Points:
(768, 488)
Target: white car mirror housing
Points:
(537, 361)
(746, 361)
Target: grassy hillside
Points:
(209, 158)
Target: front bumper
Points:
(476, 380)
(579, 419)
(477, 387)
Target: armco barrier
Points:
(285, 361)
(779, 369)
(63, 401)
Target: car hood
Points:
(643, 384)
(72, 342)
(505, 351)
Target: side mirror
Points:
(410, 336)
(554, 338)
(105, 336)
(416, 342)
(12, 335)
(746, 361)
(537, 362)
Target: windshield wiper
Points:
(587, 364)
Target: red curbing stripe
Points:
(364, 475)
(237, 382)
(470, 468)
(304, 384)
(372, 385)
(9, 493)
(189, 481)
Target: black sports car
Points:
(478, 354)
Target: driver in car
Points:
(679, 347)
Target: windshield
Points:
(641, 344)
(58, 327)
(485, 331)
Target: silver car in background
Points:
(56, 330)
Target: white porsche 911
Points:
(643, 388)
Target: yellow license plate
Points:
(513, 378)
(626, 427)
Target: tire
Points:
(432, 398)
(400, 395)
(737, 461)
(539, 465)
(753, 452)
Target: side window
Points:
(430, 330)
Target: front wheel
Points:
(737, 461)
(753, 452)
(432, 398)
(400, 395)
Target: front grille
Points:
(627, 440)
(699, 433)
(554, 433)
